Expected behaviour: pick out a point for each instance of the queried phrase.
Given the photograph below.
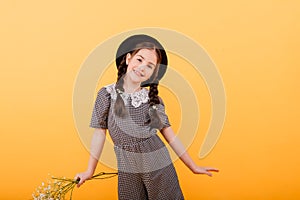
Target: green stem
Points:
(71, 193)
(103, 173)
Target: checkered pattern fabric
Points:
(157, 185)
(144, 164)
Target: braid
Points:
(119, 107)
(153, 101)
(153, 94)
(122, 69)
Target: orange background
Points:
(255, 46)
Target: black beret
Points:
(129, 44)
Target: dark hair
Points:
(153, 82)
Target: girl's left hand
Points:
(204, 170)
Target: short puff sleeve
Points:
(101, 109)
(162, 114)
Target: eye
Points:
(140, 60)
(150, 66)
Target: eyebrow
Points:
(144, 59)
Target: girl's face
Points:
(141, 65)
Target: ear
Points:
(128, 57)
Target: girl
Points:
(133, 114)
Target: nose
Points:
(142, 67)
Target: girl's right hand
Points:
(83, 176)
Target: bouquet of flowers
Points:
(58, 188)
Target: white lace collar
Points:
(137, 98)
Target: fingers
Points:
(212, 169)
(76, 178)
(208, 170)
(80, 183)
(205, 170)
(208, 173)
(80, 180)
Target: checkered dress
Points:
(145, 169)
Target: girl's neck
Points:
(131, 87)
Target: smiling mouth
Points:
(138, 73)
